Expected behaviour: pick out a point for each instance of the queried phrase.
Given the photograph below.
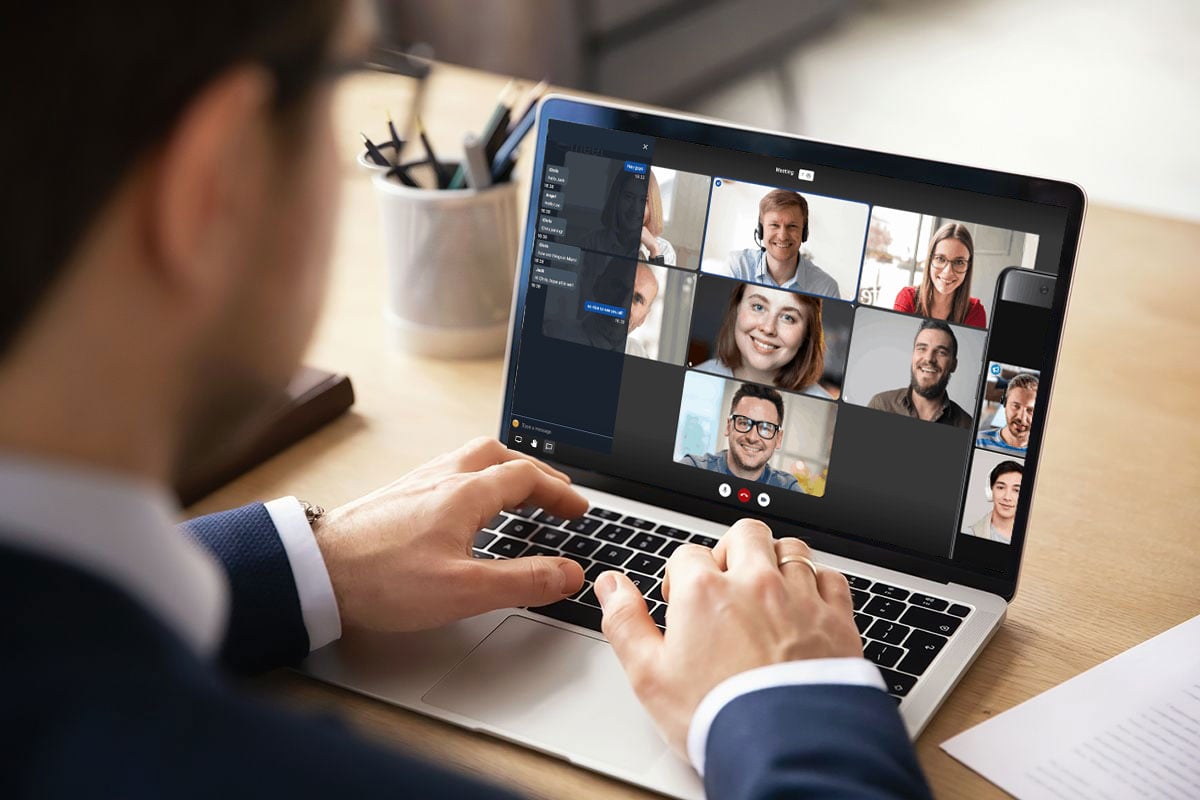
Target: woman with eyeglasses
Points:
(773, 337)
(945, 290)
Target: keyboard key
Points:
(497, 521)
(959, 610)
(573, 612)
(862, 621)
(887, 590)
(636, 522)
(613, 554)
(483, 538)
(614, 533)
(922, 649)
(925, 601)
(648, 542)
(549, 537)
(589, 597)
(546, 518)
(898, 685)
(519, 527)
(885, 655)
(525, 511)
(925, 619)
(580, 546)
(859, 598)
(644, 582)
(541, 550)
(603, 513)
(857, 582)
(659, 615)
(584, 563)
(668, 548)
(508, 548)
(656, 594)
(674, 533)
(888, 632)
(583, 525)
(647, 565)
(481, 554)
(883, 607)
(595, 571)
(704, 541)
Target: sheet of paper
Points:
(1129, 727)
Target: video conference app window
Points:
(685, 269)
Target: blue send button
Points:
(635, 167)
(608, 311)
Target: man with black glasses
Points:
(753, 427)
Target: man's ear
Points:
(212, 169)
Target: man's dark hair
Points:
(1003, 468)
(91, 88)
(939, 325)
(759, 393)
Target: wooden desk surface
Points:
(1113, 553)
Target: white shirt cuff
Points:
(840, 671)
(318, 605)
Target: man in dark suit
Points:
(165, 256)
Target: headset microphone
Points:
(991, 498)
(758, 236)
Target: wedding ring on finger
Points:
(798, 560)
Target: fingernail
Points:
(606, 584)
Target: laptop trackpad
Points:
(557, 690)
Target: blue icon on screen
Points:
(995, 369)
(718, 181)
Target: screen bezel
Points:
(812, 153)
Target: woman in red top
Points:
(945, 291)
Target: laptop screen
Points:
(853, 347)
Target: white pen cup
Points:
(450, 256)
(389, 152)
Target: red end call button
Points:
(744, 495)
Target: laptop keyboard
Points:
(902, 631)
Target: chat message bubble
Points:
(552, 200)
(551, 276)
(556, 174)
(552, 226)
(560, 253)
(605, 309)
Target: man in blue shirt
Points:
(777, 261)
(1020, 396)
(753, 429)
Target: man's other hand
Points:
(400, 558)
(731, 609)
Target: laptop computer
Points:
(712, 322)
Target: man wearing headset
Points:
(1004, 489)
(1018, 401)
(777, 261)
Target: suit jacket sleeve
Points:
(815, 741)
(266, 624)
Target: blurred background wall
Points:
(1103, 93)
